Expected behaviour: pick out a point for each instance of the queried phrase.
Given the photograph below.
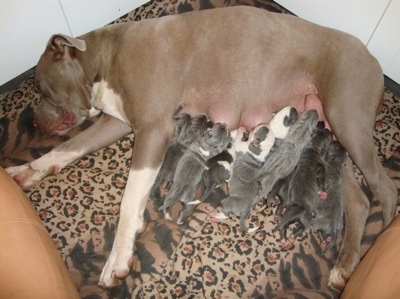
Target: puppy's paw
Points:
(338, 278)
(217, 216)
(286, 244)
(322, 195)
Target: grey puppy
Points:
(188, 174)
(250, 156)
(305, 186)
(187, 130)
(284, 158)
(218, 169)
(328, 213)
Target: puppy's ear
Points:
(58, 43)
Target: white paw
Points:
(15, 170)
(168, 216)
(26, 176)
(338, 279)
(252, 230)
(216, 217)
(116, 269)
(194, 202)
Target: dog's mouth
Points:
(56, 125)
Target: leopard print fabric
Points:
(200, 259)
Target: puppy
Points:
(305, 185)
(190, 167)
(218, 169)
(282, 121)
(328, 214)
(243, 189)
(283, 159)
(187, 130)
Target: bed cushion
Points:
(31, 266)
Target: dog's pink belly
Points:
(249, 114)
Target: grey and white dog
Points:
(305, 186)
(243, 189)
(328, 213)
(284, 158)
(187, 130)
(188, 174)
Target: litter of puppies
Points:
(293, 163)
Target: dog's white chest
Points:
(107, 100)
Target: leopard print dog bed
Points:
(201, 259)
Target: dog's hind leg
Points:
(354, 127)
(351, 103)
(356, 206)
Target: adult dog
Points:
(236, 65)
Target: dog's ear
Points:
(58, 42)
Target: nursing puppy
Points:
(218, 169)
(281, 123)
(281, 162)
(243, 189)
(328, 214)
(305, 185)
(190, 167)
(187, 130)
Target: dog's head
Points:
(321, 141)
(182, 122)
(336, 154)
(261, 140)
(302, 129)
(63, 86)
(282, 120)
(198, 126)
(215, 140)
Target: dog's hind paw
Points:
(338, 279)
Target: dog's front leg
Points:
(103, 132)
(356, 206)
(149, 148)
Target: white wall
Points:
(385, 42)
(26, 25)
(375, 22)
